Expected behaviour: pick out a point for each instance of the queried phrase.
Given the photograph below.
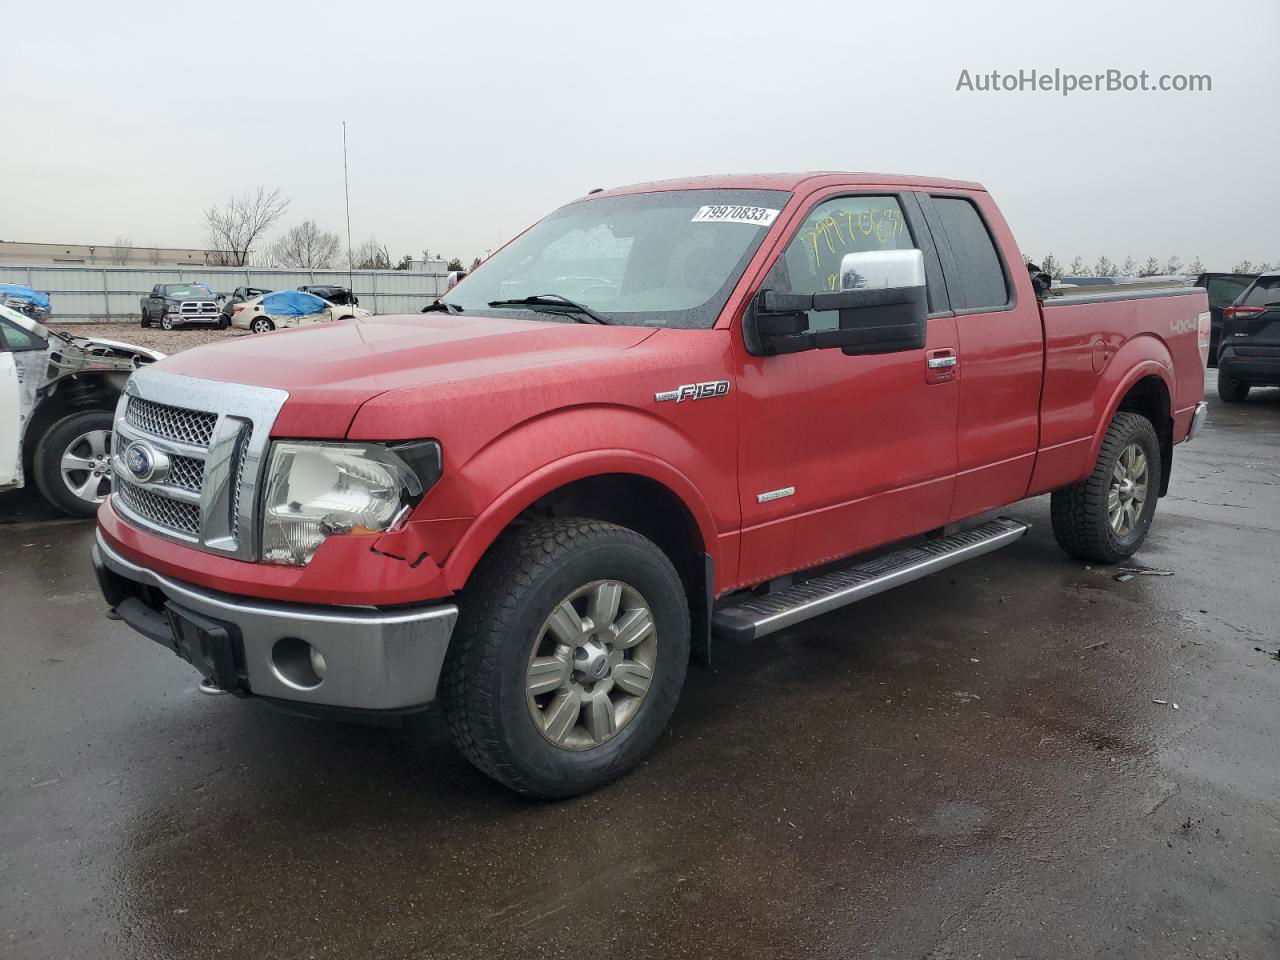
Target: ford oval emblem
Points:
(140, 460)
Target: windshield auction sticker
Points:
(722, 213)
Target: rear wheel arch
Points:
(1145, 391)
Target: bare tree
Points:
(454, 265)
(1051, 266)
(1104, 267)
(1129, 267)
(306, 245)
(1244, 266)
(233, 229)
(371, 255)
(121, 252)
(1173, 265)
(1195, 266)
(1151, 268)
(1077, 268)
(153, 255)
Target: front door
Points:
(842, 453)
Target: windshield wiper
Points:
(549, 300)
(450, 308)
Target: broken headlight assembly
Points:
(316, 490)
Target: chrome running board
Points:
(757, 617)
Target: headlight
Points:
(315, 490)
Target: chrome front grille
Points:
(171, 423)
(198, 308)
(195, 472)
(186, 472)
(159, 509)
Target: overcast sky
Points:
(469, 120)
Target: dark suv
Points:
(1223, 289)
(1250, 352)
(339, 296)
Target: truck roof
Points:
(791, 182)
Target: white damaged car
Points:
(58, 396)
(289, 308)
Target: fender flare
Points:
(1142, 369)
(481, 534)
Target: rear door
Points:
(1223, 291)
(15, 402)
(1001, 350)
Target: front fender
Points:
(552, 476)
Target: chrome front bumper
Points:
(1197, 420)
(378, 660)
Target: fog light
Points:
(317, 663)
(297, 663)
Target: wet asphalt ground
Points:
(1019, 757)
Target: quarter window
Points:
(811, 262)
(981, 277)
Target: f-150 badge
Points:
(694, 391)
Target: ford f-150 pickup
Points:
(663, 414)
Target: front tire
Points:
(568, 658)
(73, 462)
(1105, 519)
(166, 322)
(1230, 389)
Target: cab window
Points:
(811, 261)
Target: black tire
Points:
(146, 324)
(47, 465)
(1230, 389)
(224, 322)
(261, 325)
(1081, 523)
(511, 595)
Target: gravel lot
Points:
(166, 341)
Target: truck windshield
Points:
(665, 259)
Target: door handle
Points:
(941, 365)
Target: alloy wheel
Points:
(86, 466)
(1128, 492)
(591, 665)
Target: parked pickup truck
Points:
(181, 304)
(663, 414)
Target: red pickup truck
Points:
(662, 414)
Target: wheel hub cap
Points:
(591, 665)
(1128, 491)
(86, 465)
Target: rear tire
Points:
(262, 325)
(1230, 389)
(1085, 514)
(70, 458)
(500, 718)
(146, 324)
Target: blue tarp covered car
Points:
(25, 300)
(292, 303)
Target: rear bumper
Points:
(1197, 419)
(373, 660)
(1262, 370)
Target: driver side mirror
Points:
(881, 302)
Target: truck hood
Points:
(331, 369)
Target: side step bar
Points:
(758, 617)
